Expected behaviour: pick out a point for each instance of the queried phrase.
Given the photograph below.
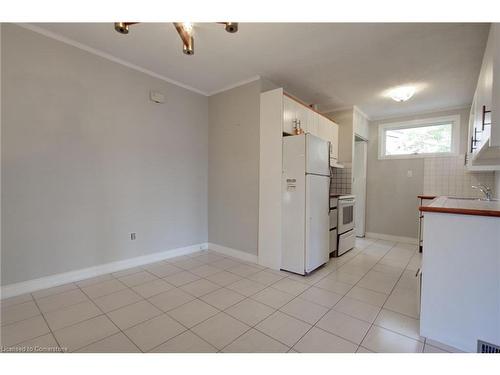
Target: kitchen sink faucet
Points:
(485, 190)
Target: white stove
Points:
(342, 235)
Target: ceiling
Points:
(333, 65)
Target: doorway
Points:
(359, 184)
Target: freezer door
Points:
(317, 155)
(317, 221)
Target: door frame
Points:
(360, 207)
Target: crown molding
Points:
(107, 56)
(356, 108)
(337, 109)
(234, 85)
(422, 113)
(120, 61)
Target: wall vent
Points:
(486, 347)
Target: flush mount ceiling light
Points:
(401, 93)
(184, 29)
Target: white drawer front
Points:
(333, 218)
(333, 240)
(346, 242)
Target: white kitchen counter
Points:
(461, 272)
(463, 206)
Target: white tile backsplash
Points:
(449, 176)
(341, 181)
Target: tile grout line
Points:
(387, 299)
(311, 325)
(162, 312)
(223, 311)
(219, 311)
(47, 323)
(125, 287)
(33, 299)
(246, 277)
(372, 323)
(332, 308)
(278, 309)
(107, 317)
(165, 312)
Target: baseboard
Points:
(29, 286)
(234, 253)
(388, 237)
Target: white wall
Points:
(233, 164)
(87, 159)
(391, 202)
(497, 184)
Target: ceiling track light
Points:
(186, 34)
(230, 27)
(184, 29)
(123, 27)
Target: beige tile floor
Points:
(364, 301)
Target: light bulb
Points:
(188, 27)
(402, 93)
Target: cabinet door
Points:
(335, 141)
(312, 122)
(289, 115)
(303, 117)
(323, 129)
(471, 145)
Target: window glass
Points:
(429, 139)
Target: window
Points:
(419, 138)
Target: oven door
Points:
(346, 215)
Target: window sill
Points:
(418, 156)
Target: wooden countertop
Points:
(463, 207)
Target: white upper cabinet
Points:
(289, 115)
(495, 86)
(294, 115)
(360, 123)
(312, 123)
(297, 114)
(323, 128)
(303, 116)
(329, 131)
(484, 126)
(335, 141)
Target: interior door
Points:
(317, 221)
(359, 186)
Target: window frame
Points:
(430, 121)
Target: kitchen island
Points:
(460, 296)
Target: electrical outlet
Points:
(409, 173)
(133, 236)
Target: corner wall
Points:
(87, 159)
(233, 167)
(391, 196)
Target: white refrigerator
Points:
(306, 203)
